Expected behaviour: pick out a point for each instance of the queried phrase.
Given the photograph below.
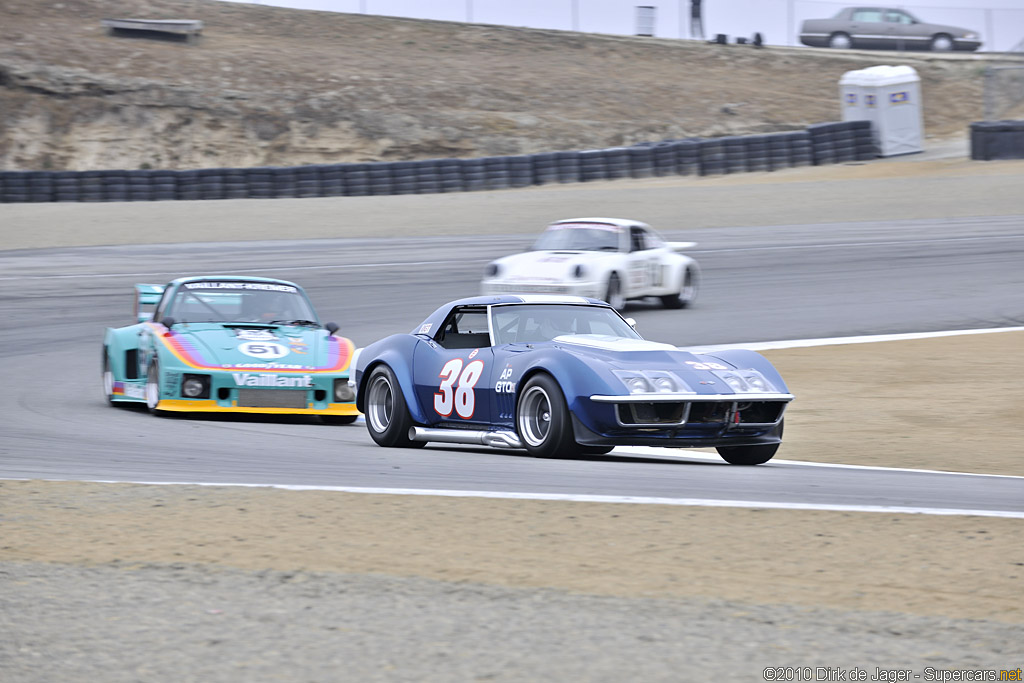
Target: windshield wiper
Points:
(304, 323)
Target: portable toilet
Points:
(851, 96)
(889, 97)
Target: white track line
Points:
(836, 341)
(706, 456)
(686, 502)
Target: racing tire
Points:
(108, 378)
(613, 294)
(387, 415)
(749, 455)
(687, 292)
(840, 41)
(542, 420)
(338, 419)
(153, 389)
(941, 43)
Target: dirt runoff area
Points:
(955, 566)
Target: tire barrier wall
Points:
(992, 140)
(825, 143)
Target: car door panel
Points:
(454, 385)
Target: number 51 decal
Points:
(457, 388)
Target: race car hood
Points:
(701, 373)
(544, 266)
(284, 347)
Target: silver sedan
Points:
(886, 29)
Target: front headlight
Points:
(195, 386)
(579, 271)
(970, 36)
(735, 383)
(651, 382)
(747, 382)
(637, 385)
(343, 392)
(491, 270)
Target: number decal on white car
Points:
(456, 390)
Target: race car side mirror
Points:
(168, 322)
(331, 328)
(632, 322)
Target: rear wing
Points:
(146, 299)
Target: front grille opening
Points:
(271, 398)
(223, 393)
(319, 395)
(761, 412)
(131, 364)
(709, 411)
(651, 413)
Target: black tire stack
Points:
(995, 140)
(545, 168)
(593, 165)
(569, 170)
(641, 161)
(820, 144)
(713, 157)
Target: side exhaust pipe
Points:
(495, 439)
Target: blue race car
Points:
(561, 376)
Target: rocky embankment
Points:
(273, 86)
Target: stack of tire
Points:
(994, 140)
(449, 175)
(641, 161)
(735, 153)
(544, 167)
(356, 179)
(569, 168)
(713, 157)
(819, 144)
(593, 165)
(841, 141)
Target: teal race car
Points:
(229, 344)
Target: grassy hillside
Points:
(268, 85)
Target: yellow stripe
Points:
(172, 405)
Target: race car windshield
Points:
(578, 237)
(543, 322)
(240, 302)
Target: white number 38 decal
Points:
(462, 398)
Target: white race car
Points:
(613, 259)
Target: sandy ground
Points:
(919, 416)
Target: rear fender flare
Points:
(116, 342)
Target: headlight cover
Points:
(343, 392)
(652, 382)
(747, 382)
(195, 386)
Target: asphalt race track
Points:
(764, 283)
